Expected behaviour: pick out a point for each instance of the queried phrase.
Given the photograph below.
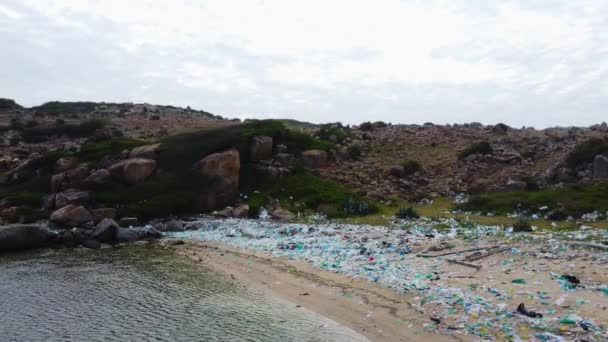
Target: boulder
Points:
(48, 202)
(105, 230)
(261, 148)
(281, 214)
(600, 167)
(70, 178)
(10, 215)
(314, 158)
(126, 235)
(286, 159)
(71, 215)
(225, 213)
(65, 163)
(224, 167)
(241, 211)
(266, 171)
(397, 171)
(21, 237)
(92, 244)
(98, 178)
(134, 170)
(128, 222)
(174, 226)
(71, 197)
(514, 185)
(147, 151)
(102, 213)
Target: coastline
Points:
(377, 313)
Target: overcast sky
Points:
(525, 62)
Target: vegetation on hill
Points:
(9, 104)
(586, 152)
(482, 147)
(65, 108)
(410, 167)
(570, 200)
(39, 133)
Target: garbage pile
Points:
(480, 280)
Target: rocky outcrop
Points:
(314, 158)
(98, 178)
(134, 170)
(600, 167)
(261, 148)
(147, 151)
(105, 230)
(223, 168)
(65, 163)
(514, 185)
(72, 178)
(71, 215)
(21, 237)
(102, 213)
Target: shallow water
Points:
(142, 293)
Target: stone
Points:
(147, 151)
(134, 170)
(126, 235)
(98, 178)
(65, 163)
(265, 171)
(514, 185)
(102, 213)
(71, 215)
(48, 202)
(57, 182)
(241, 211)
(71, 197)
(600, 167)
(174, 226)
(91, 244)
(105, 230)
(225, 213)
(128, 222)
(314, 158)
(397, 171)
(224, 167)
(22, 237)
(281, 214)
(10, 214)
(149, 232)
(261, 148)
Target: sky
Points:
(524, 62)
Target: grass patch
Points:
(573, 200)
(94, 152)
(31, 199)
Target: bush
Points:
(43, 133)
(585, 152)
(66, 108)
(329, 132)
(522, 226)
(500, 128)
(356, 206)
(355, 152)
(407, 213)
(366, 126)
(477, 148)
(410, 167)
(9, 104)
(380, 124)
(32, 199)
(94, 152)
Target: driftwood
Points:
(588, 244)
(491, 252)
(454, 252)
(458, 262)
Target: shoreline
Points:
(379, 314)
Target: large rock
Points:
(98, 178)
(134, 170)
(314, 158)
(600, 167)
(71, 197)
(105, 230)
(241, 211)
(20, 237)
(65, 163)
(147, 151)
(514, 185)
(102, 213)
(126, 235)
(281, 214)
(71, 215)
(286, 159)
(174, 226)
(224, 167)
(261, 148)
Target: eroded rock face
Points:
(600, 167)
(261, 148)
(21, 237)
(224, 167)
(134, 170)
(147, 151)
(314, 158)
(71, 215)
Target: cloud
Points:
(522, 62)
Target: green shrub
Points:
(340, 134)
(380, 124)
(355, 152)
(522, 226)
(410, 167)
(9, 104)
(500, 128)
(256, 201)
(43, 133)
(407, 213)
(66, 108)
(585, 152)
(32, 199)
(94, 152)
(366, 126)
(357, 206)
(482, 147)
